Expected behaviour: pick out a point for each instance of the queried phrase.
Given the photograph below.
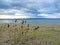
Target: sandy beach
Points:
(29, 34)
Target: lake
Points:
(33, 20)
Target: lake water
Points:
(32, 21)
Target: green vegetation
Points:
(15, 35)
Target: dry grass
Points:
(13, 34)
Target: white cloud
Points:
(21, 12)
(13, 16)
(56, 15)
(13, 13)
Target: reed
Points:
(39, 34)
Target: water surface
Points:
(32, 21)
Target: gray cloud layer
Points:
(32, 8)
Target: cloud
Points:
(56, 15)
(16, 12)
(13, 16)
(31, 8)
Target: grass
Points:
(15, 35)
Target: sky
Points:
(31, 8)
